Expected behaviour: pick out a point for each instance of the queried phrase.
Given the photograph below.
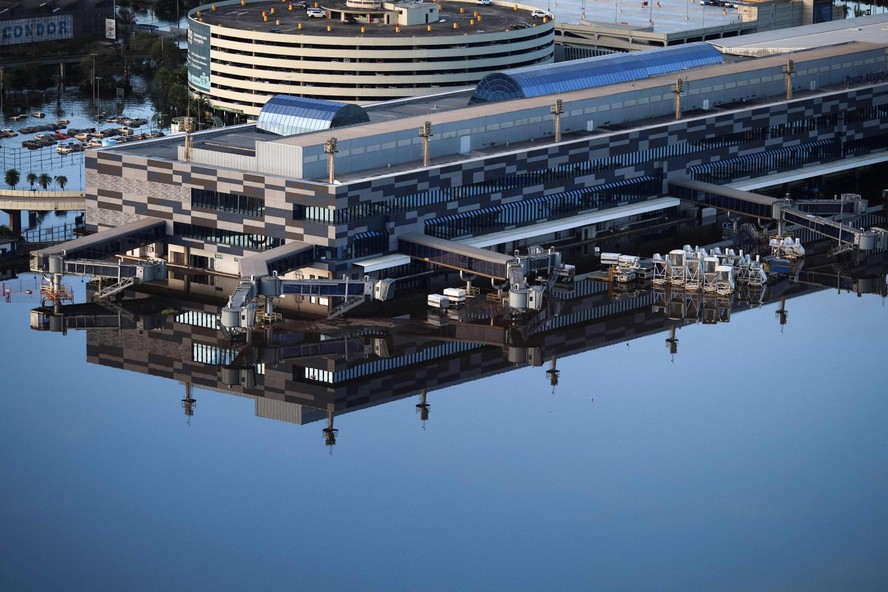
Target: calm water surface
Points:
(754, 459)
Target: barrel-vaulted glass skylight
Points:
(550, 79)
(287, 115)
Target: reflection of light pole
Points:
(98, 90)
(1, 91)
(93, 78)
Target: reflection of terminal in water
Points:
(307, 371)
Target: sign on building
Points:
(110, 28)
(199, 55)
(35, 30)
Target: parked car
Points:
(316, 13)
(520, 26)
(540, 14)
(483, 2)
(349, 19)
(300, 5)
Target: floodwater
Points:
(80, 112)
(753, 458)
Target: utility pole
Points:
(425, 132)
(788, 70)
(330, 149)
(557, 109)
(677, 89)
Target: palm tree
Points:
(61, 181)
(12, 178)
(44, 181)
(31, 178)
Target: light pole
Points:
(1, 92)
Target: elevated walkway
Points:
(14, 201)
(99, 246)
(288, 257)
(462, 257)
(42, 201)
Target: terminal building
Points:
(530, 156)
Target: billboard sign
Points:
(110, 29)
(35, 30)
(199, 55)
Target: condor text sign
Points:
(35, 30)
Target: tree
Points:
(61, 181)
(31, 178)
(12, 178)
(44, 181)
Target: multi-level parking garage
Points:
(241, 53)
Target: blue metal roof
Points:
(287, 115)
(550, 79)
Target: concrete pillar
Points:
(15, 221)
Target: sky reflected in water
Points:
(756, 458)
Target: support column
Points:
(467, 278)
(15, 221)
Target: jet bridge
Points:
(805, 213)
(115, 241)
(259, 278)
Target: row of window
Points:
(779, 159)
(384, 365)
(549, 207)
(227, 202)
(256, 242)
(212, 354)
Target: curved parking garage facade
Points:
(242, 53)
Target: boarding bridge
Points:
(481, 262)
(101, 245)
(804, 213)
(259, 278)
(124, 274)
(542, 266)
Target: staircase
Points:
(114, 288)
